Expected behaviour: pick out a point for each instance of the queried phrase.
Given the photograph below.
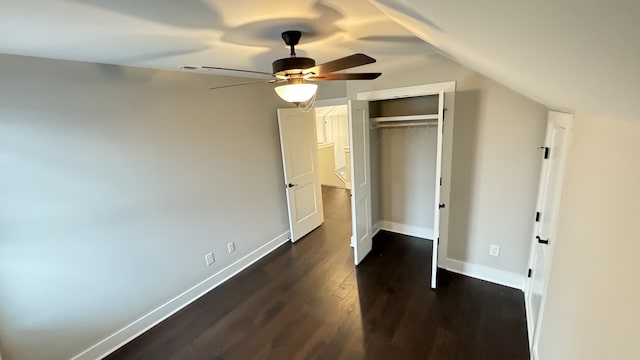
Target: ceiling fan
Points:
(296, 71)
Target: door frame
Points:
(448, 88)
(565, 120)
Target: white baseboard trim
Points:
(136, 328)
(410, 230)
(485, 273)
(481, 272)
(375, 229)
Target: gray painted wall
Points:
(495, 175)
(407, 163)
(115, 182)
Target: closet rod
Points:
(404, 124)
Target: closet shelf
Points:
(404, 121)
(405, 118)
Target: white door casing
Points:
(360, 179)
(555, 149)
(438, 189)
(300, 163)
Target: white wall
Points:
(496, 163)
(332, 126)
(115, 182)
(592, 310)
(327, 166)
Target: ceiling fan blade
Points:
(340, 64)
(345, 76)
(197, 67)
(246, 83)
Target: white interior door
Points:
(360, 179)
(300, 161)
(438, 205)
(550, 188)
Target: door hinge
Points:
(546, 152)
(529, 273)
(440, 180)
(438, 240)
(542, 241)
(537, 216)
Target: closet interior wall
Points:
(403, 156)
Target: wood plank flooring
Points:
(308, 301)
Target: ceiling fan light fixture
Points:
(297, 92)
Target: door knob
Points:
(542, 241)
(290, 185)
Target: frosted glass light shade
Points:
(296, 93)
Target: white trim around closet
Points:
(409, 91)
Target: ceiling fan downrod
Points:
(284, 68)
(291, 38)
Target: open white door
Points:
(438, 205)
(300, 162)
(550, 188)
(360, 178)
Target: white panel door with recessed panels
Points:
(299, 157)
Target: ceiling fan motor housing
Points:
(292, 65)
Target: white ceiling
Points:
(577, 55)
(165, 34)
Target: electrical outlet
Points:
(208, 258)
(231, 247)
(494, 250)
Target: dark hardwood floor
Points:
(308, 301)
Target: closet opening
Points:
(409, 151)
(404, 149)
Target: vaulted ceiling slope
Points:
(574, 55)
